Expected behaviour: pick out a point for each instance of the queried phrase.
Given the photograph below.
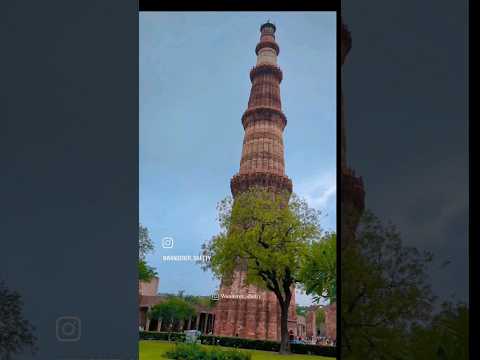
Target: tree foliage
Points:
(145, 272)
(446, 337)
(145, 243)
(204, 301)
(319, 317)
(145, 246)
(319, 270)
(268, 236)
(384, 291)
(172, 311)
(16, 333)
(301, 310)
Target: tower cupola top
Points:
(268, 27)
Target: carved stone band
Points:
(273, 182)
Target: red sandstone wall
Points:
(331, 321)
(255, 316)
(149, 288)
(310, 322)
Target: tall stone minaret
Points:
(256, 314)
(262, 162)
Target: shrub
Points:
(328, 351)
(241, 343)
(196, 352)
(162, 335)
(267, 345)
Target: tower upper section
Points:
(262, 162)
(267, 49)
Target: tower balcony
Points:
(266, 69)
(272, 182)
(269, 44)
(264, 113)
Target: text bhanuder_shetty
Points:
(202, 258)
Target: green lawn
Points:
(154, 350)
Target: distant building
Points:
(301, 327)
(148, 295)
(310, 324)
(331, 321)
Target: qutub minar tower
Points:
(255, 312)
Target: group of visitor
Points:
(325, 341)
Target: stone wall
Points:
(249, 312)
(331, 321)
(149, 288)
(310, 323)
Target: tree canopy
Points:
(384, 291)
(446, 337)
(172, 310)
(145, 246)
(268, 236)
(145, 243)
(145, 272)
(318, 272)
(319, 317)
(16, 333)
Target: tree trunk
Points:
(284, 344)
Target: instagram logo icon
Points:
(69, 328)
(167, 242)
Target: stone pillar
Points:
(251, 319)
(331, 321)
(262, 317)
(273, 319)
(204, 323)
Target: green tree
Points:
(145, 272)
(204, 301)
(145, 246)
(16, 333)
(301, 310)
(269, 236)
(319, 317)
(445, 337)
(145, 243)
(319, 270)
(172, 311)
(384, 291)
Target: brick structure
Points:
(148, 296)
(254, 313)
(149, 288)
(331, 321)
(311, 324)
(301, 327)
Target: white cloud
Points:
(318, 190)
(301, 298)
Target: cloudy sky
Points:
(194, 87)
(405, 87)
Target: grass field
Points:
(154, 350)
